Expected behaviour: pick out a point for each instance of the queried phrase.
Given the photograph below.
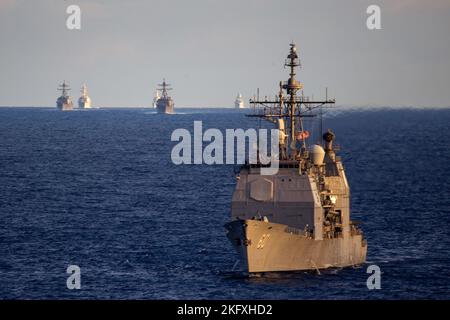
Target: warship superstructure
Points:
(84, 102)
(239, 102)
(156, 98)
(298, 218)
(165, 103)
(64, 102)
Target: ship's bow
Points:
(237, 234)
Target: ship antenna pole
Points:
(292, 98)
(292, 87)
(280, 97)
(321, 117)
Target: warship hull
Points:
(64, 106)
(164, 106)
(272, 247)
(84, 104)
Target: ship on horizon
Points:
(64, 102)
(239, 102)
(156, 98)
(84, 102)
(298, 218)
(165, 103)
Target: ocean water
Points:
(98, 189)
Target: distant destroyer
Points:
(299, 218)
(64, 102)
(84, 102)
(156, 98)
(239, 102)
(165, 103)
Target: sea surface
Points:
(98, 189)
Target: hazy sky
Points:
(210, 50)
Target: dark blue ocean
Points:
(98, 189)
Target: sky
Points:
(210, 50)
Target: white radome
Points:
(317, 154)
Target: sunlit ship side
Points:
(84, 102)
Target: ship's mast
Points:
(64, 88)
(291, 87)
(164, 88)
(84, 92)
(290, 108)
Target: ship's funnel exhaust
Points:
(328, 137)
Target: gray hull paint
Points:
(164, 106)
(267, 247)
(63, 105)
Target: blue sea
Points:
(98, 189)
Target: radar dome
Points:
(317, 154)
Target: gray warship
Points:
(298, 218)
(84, 102)
(64, 102)
(164, 104)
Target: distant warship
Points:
(156, 98)
(239, 102)
(165, 103)
(64, 102)
(84, 102)
(299, 218)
